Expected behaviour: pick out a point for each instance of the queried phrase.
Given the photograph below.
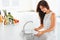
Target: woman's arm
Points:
(40, 27)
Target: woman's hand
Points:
(37, 29)
(40, 33)
(40, 27)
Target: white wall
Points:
(21, 5)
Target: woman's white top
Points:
(47, 20)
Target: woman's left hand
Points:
(40, 33)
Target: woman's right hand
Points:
(37, 29)
(40, 27)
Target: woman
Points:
(48, 23)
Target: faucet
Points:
(25, 25)
(29, 36)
